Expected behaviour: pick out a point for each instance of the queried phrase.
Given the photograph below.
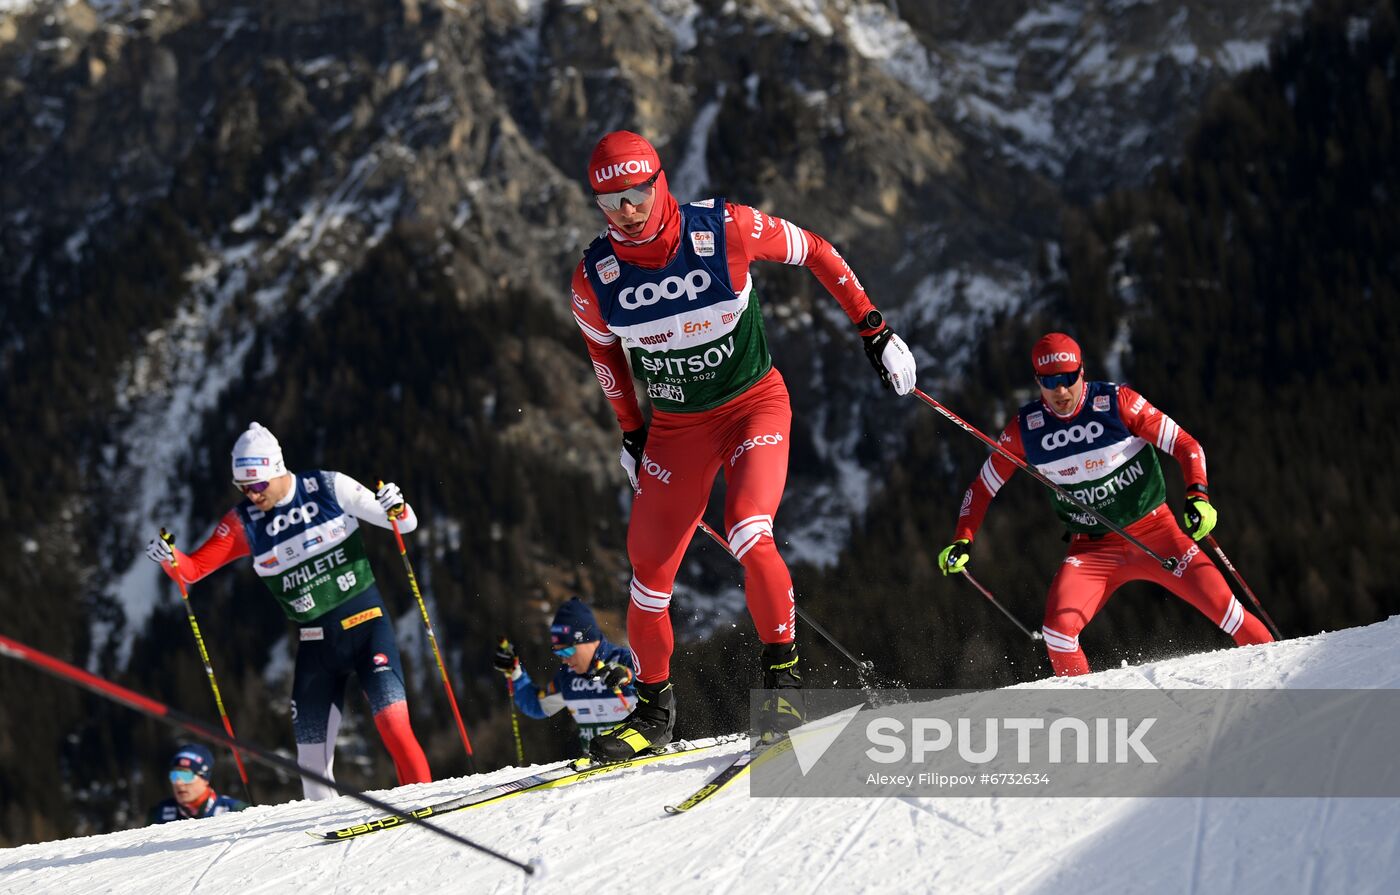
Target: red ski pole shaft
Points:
(599, 665)
(147, 706)
(432, 639)
(1167, 563)
(208, 665)
(863, 665)
(1225, 560)
(1034, 635)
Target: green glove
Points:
(1198, 517)
(955, 556)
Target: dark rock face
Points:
(972, 118)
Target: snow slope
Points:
(596, 834)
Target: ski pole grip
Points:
(169, 539)
(403, 549)
(394, 513)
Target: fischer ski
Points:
(575, 771)
(745, 762)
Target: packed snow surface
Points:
(611, 833)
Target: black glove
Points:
(634, 443)
(505, 660)
(874, 347)
(614, 675)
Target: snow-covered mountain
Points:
(353, 220)
(292, 141)
(612, 832)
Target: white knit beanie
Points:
(257, 457)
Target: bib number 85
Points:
(346, 581)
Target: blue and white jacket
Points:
(213, 805)
(593, 707)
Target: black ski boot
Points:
(783, 705)
(648, 727)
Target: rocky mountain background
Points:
(354, 221)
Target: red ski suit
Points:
(746, 436)
(1097, 565)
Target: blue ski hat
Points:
(573, 623)
(193, 757)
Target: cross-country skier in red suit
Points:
(669, 284)
(1099, 441)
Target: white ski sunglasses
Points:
(636, 195)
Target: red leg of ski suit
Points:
(748, 438)
(1096, 567)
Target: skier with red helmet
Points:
(669, 285)
(1098, 441)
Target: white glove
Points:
(629, 465)
(633, 445)
(390, 500)
(159, 551)
(892, 359)
(898, 361)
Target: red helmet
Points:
(622, 160)
(1056, 353)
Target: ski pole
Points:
(169, 539)
(599, 665)
(1210, 539)
(1034, 635)
(863, 665)
(166, 715)
(432, 638)
(514, 719)
(1168, 563)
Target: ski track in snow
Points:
(606, 829)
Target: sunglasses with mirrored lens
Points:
(636, 195)
(1054, 381)
(182, 775)
(566, 651)
(254, 487)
